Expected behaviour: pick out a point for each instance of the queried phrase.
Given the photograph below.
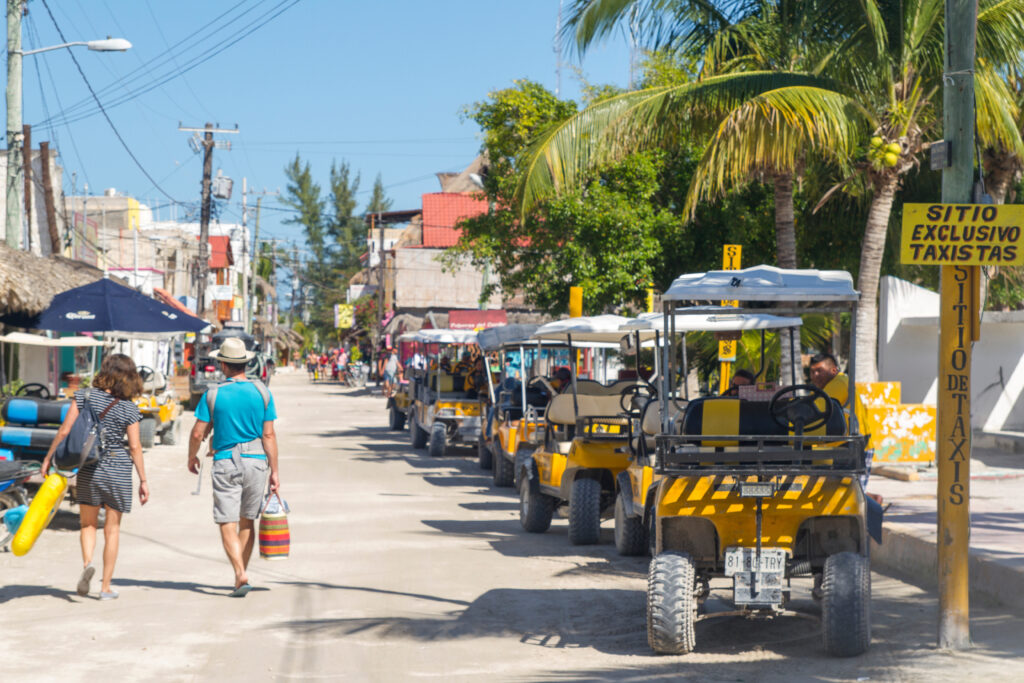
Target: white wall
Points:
(908, 353)
(420, 282)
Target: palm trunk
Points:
(785, 256)
(870, 269)
(1002, 169)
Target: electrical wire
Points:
(102, 109)
(210, 53)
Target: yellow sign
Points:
(727, 350)
(731, 254)
(962, 234)
(343, 316)
(575, 302)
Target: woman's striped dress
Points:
(109, 480)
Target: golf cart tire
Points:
(671, 603)
(484, 455)
(504, 470)
(846, 605)
(172, 435)
(396, 419)
(417, 436)
(535, 508)
(585, 512)
(630, 532)
(147, 432)
(438, 437)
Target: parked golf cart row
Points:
(743, 494)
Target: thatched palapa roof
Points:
(28, 282)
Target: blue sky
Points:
(379, 84)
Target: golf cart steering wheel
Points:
(145, 372)
(34, 390)
(800, 412)
(629, 398)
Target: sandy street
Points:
(406, 568)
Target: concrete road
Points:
(406, 568)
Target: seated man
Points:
(740, 379)
(476, 381)
(464, 366)
(563, 379)
(825, 375)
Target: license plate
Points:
(742, 560)
(757, 489)
(759, 589)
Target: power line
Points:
(102, 109)
(252, 27)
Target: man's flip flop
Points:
(241, 591)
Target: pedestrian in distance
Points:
(106, 482)
(390, 367)
(244, 448)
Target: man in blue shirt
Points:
(244, 447)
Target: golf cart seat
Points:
(726, 415)
(585, 417)
(157, 382)
(28, 410)
(650, 424)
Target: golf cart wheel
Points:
(7, 502)
(396, 419)
(504, 469)
(846, 605)
(437, 440)
(483, 454)
(535, 508)
(172, 435)
(147, 432)
(671, 604)
(630, 533)
(417, 436)
(585, 512)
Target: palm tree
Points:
(891, 68)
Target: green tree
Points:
(345, 228)
(379, 201)
(887, 55)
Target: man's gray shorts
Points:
(238, 493)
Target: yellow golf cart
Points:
(761, 489)
(586, 437)
(161, 411)
(519, 397)
(637, 485)
(442, 412)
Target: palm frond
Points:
(996, 112)
(561, 156)
(772, 132)
(1001, 32)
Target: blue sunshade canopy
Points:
(105, 306)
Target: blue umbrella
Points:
(105, 306)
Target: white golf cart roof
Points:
(764, 283)
(441, 336)
(38, 340)
(594, 330)
(711, 319)
(494, 338)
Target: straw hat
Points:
(233, 351)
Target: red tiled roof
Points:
(220, 251)
(442, 210)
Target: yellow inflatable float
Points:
(40, 512)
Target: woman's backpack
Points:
(82, 444)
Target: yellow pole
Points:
(958, 327)
(575, 302)
(731, 257)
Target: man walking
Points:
(241, 413)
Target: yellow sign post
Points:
(575, 302)
(959, 238)
(731, 256)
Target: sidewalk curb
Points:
(915, 557)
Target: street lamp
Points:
(15, 135)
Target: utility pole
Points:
(207, 143)
(246, 266)
(958, 308)
(251, 306)
(14, 132)
(26, 134)
(295, 284)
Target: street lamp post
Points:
(15, 138)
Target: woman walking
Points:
(107, 481)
